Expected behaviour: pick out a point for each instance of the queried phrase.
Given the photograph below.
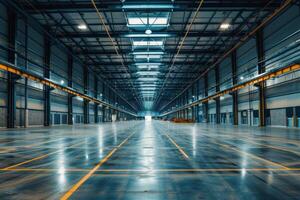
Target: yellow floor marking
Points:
(273, 147)
(178, 147)
(249, 139)
(250, 155)
(75, 187)
(40, 157)
(152, 170)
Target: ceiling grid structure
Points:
(147, 35)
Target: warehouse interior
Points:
(154, 99)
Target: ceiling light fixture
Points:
(82, 27)
(148, 32)
(225, 26)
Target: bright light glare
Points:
(225, 26)
(145, 73)
(242, 78)
(147, 43)
(148, 53)
(148, 67)
(146, 20)
(148, 31)
(147, 56)
(82, 27)
(62, 82)
(148, 6)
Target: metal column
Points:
(205, 104)
(47, 89)
(70, 84)
(217, 77)
(26, 79)
(235, 117)
(11, 78)
(96, 106)
(103, 107)
(86, 102)
(261, 69)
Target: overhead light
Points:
(148, 64)
(148, 6)
(157, 35)
(148, 53)
(242, 78)
(147, 67)
(147, 57)
(147, 73)
(62, 82)
(147, 43)
(82, 27)
(225, 26)
(148, 32)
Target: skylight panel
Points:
(147, 56)
(147, 43)
(158, 20)
(137, 21)
(145, 73)
(147, 21)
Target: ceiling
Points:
(149, 68)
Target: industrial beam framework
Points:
(24, 73)
(260, 78)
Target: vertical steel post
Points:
(235, 117)
(86, 102)
(70, 84)
(96, 105)
(217, 79)
(11, 78)
(47, 89)
(261, 69)
(205, 104)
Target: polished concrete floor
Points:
(140, 160)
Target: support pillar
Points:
(261, 69)
(11, 78)
(235, 117)
(205, 104)
(26, 112)
(86, 102)
(96, 105)
(70, 84)
(218, 109)
(103, 107)
(47, 89)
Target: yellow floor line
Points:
(251, 155)
(40, 157)
(75, 187)
(178, 147)
(150, 170)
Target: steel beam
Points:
(11, 78)
(47, 89)
(217, 100)
(70, 84)
(26, 112)
(261, 69)
(115, 6)
(235, 116)
(86, 89)
(205, 104)
(141, 34)
(96, 105)
(254, 81)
